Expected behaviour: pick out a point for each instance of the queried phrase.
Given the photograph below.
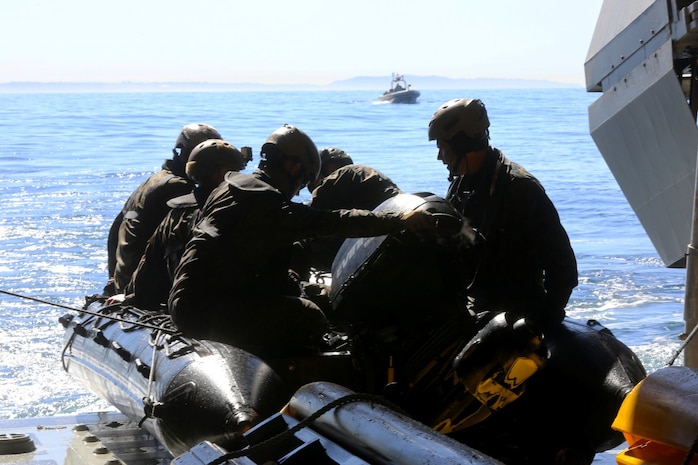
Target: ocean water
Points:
(69, 161)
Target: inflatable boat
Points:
(494, 384)
(399, 92)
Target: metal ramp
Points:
(643, 124)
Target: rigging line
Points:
(88, 312)
(275, 440)
(39, 300)
(683, 346)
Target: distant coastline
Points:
(372, 83)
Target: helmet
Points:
(209, 155)
(291, 142)
(335, 155)
(331, 159)
(191, 136)
(464, 115)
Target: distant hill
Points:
(438, 83)
(376, 83)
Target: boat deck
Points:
(105, 438)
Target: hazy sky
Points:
(293, 42)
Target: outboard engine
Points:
(492, 381)
(495, 365)
(398, 296)
(378, 280)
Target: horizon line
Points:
(356, 83)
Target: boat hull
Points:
(402, 96)
(568, 407)
(394, 297)
(181, 390)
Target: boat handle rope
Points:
(272, 441)
(65, 349)
(88, 312)
(148, 400)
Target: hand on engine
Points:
(418, 220)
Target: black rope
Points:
(39, 300)
(102, 315)
(271, 442)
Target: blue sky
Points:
(293, 42)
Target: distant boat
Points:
(399, 92)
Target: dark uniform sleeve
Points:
(112, 243)
(151, 282)
(350, 187)
(301, 221)
(149, 286)
(557, 259)
(354, 186)
(235, 248)
(145, 210)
